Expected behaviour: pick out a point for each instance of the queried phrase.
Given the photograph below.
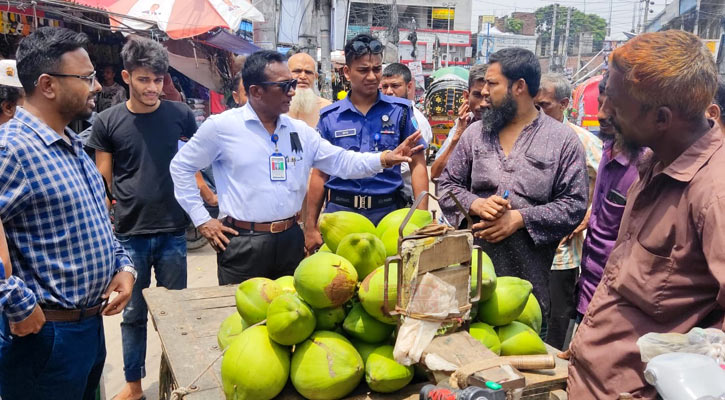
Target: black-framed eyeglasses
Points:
(284, 85)
(89, 79)
(374, 47)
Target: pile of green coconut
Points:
(324, 329)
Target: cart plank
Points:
(187, 322)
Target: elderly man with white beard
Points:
(306, 103)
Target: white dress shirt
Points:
(426, 133)
(238, 147)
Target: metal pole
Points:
(448, 38)
(579, 56)
(553, 37)
(488, 39)
(565, 54)
(609, 24)
(646, 15)
(696, 30)
(325, 22)
(634, 16)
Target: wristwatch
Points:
(129, 269)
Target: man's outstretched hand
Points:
(404, 151)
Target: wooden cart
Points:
(188, 320)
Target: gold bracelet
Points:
(382, 159)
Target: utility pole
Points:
(609, 24)
(325, 22)
(265, 33)
(634, 16)
(553, 37)
(639, 18)
(448, 38)
(393, 32)
(646, 15)
(307, 38)
(579, 54)
(565, 54)
(696, 30)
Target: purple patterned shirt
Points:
(546, 176)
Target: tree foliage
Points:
(514, 25)
(580, 22)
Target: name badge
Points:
(345, 133)
(277, 167)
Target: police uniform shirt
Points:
(386, 125)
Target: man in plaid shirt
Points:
(65, 260)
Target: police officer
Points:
(365, 121)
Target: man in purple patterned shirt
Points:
(518, 149)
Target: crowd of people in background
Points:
(619, 232)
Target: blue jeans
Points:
(166, 253)
(62, 361)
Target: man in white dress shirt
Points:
(261, 161)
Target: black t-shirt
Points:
(142, 146)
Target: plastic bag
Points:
(434, 298)
(709, 342)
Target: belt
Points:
(264, 227)
(72, 315)
(362, 202)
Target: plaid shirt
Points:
(52, 204)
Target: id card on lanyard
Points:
(277, 163)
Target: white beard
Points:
(304, 102)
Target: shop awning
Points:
(225, 40)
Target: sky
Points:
(621, 10)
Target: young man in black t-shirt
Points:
(135, 142)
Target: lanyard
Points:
(275, 139)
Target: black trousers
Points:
(562, 284)
(268, 255)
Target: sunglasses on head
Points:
(374, 47)
(284, 85)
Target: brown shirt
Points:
(666, 272)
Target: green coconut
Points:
(287, 283)
(253, 297)
(329, 319)
(360, 325)
(531, 315)
(254, 367)
(326, 366)
(364, 250)
(364, 348)
(335, 226)
(324, 248)
(325, 280)
(232, 326)
(390, 238)
(372, 290)
(507, 301)
(290, 320)
(485, 334)
(488, 277)
(420, 218)
(385, 375)
(519, 339)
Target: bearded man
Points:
(306, 103)
(520, 173)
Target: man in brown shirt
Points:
(666, 272)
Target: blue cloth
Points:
(373, 214)
(343, 125)
(52, 204)
(238, 147)
(63, 361)
(166, 253)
